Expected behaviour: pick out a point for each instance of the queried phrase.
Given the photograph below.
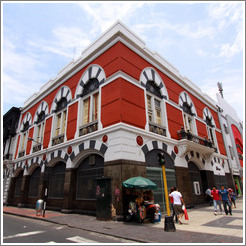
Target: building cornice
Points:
(118, 32)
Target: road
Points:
(24, 230)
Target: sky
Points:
(203, 40)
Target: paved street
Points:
(203, 227)
(24, 230)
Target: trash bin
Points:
(39, 206)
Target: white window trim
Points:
(162, 108)
(197, 188)
(55, 123)
(81, 108)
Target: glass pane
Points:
(58, 124)
(86, 111)
(64, 121)
(95, 107)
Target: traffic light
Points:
(161, 159)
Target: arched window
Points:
(60, 121)
(56, 181)
(208, 118)
(18, 182)
(26, 123)
(188, 112)
(90, 107)
(89, 169)
(39, 121)
(34, 183)
(155, 93)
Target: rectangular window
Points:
(86, 111)
(23, 142)
(210, 135)
(58, 124)
(231, 152)
(95, 107)
(150, 112)
(64, 122)
(196, 187)
(158, 112)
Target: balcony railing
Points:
(88, 128)
(36, 148)
(8, 157)
(182, 134)
(157, 129)
(21, 153)
(58, 139)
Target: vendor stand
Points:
(141, 206)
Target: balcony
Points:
(21, 153)
(202, 142)
(58, 139)
(153, 127)
(88, 128)
(36, 148)
(8, 157)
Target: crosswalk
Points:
(73, 239)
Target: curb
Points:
(76, 227)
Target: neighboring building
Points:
(232, 130)
(109, 114)
(10, 124)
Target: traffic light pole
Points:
(165, 189)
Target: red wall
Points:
(72, 121)
(220, 143)
(47, 132)
(123, 102)
(29, 142)
(201, 129)
(175, 120)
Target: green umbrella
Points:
(139, 183)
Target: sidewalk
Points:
(203, 226)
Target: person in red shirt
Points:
(215, 194)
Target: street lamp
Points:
(46, 189)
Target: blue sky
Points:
(203, 40)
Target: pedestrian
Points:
(171, 202)
(210, 199)
(232, 196)
(215, 194)
(225, 199)
(177, 204)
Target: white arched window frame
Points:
(39, 121)
(88, 90)
(26, 123)
(156, 94)
(210, 124)
(189, 112)
(59, 108)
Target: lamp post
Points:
(169, 223)
(46, 189)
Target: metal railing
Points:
(153, 127)
(21, 153)
(182, 134)
(8, 157)
(88, 128)
(58, 139)
(36, 148)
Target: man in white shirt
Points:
(177, 204)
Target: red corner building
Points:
(108, 114)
